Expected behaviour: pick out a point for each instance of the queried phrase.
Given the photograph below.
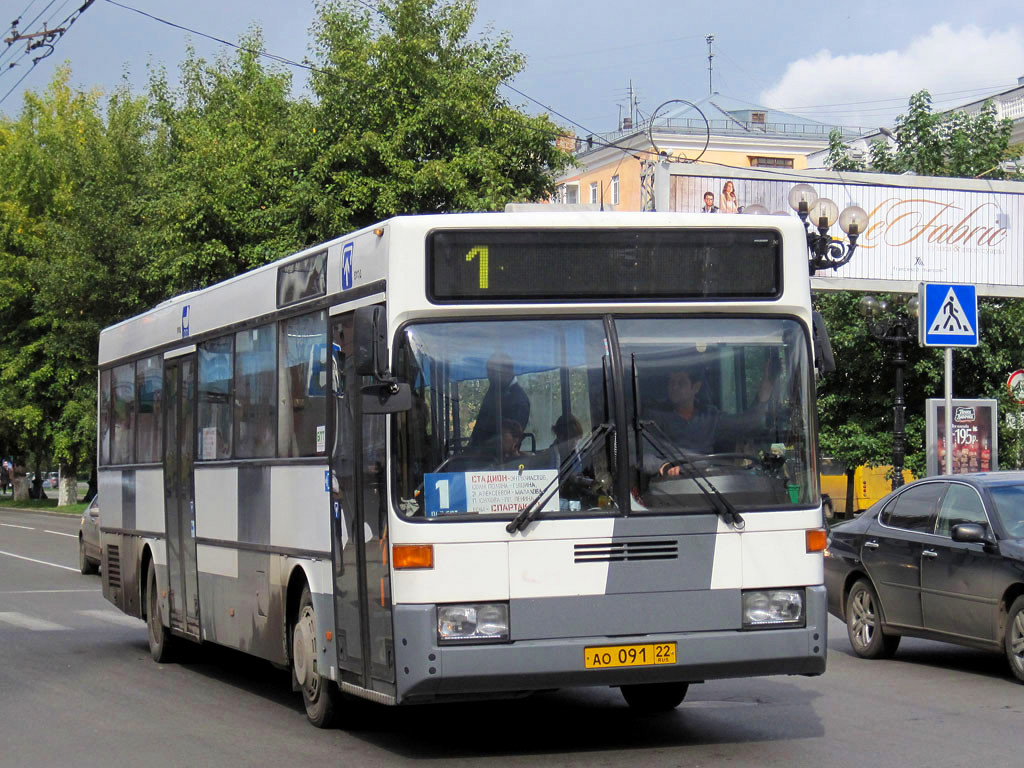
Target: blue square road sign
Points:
(949, 315)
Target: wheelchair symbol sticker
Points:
(346, 266)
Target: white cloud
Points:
(943, 60)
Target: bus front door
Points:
(359, 526)
(179, 495)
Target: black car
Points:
(941, 558)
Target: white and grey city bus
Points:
(478, 455)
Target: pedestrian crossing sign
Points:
(949, 315)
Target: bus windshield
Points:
(506, 410)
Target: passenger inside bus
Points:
(511, 439)
(504, 399)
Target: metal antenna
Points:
(710, 39)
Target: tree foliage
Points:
(930, 144)
(108, 206)
(410, 117)
(73, 176)
(230, 145)
(855, 404)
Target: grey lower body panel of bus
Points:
(427, 671)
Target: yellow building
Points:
(616, 169)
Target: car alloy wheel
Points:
(1015, 638)
(864, 623)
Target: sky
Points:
(842, 64)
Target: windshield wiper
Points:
(530, 511)
(719, 502)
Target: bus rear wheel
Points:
(161, 642)
(654, 697)
(319, 693)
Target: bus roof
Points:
(387, 251)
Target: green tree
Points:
(410, 118)
(855, 404)
(839, 158)
(932, 144)
(231, 152)
(73, 175)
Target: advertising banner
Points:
(975, 436)
(932, 235)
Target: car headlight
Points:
(764, 608)
(472, 623)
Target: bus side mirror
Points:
(370, 342)
(371, 359)
(824, 360)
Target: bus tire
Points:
(161, 642)
(651, 698)
(319, 693)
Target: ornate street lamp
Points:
(818, 215)
(894, 325)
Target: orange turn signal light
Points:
(412, 556)
(817, 540)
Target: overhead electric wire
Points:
(39, 15)
(978, 89)
(593, 137)
(264, 54)
(17, 20)
(64, 26)
(645, 44)
(57, 13)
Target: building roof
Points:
(727, 116)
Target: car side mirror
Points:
(970, 533)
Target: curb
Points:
(39, 511)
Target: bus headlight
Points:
(764, 608)
(472, 623)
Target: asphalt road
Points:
(78, 687)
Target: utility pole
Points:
(710, 39)
(46, 38)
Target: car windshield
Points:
(506, 408)
(1009, 504)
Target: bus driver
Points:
(696, 427)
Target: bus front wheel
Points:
(654, 697)
(319, 693)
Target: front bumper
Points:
(428, 672)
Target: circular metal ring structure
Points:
(707, 126)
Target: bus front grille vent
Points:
(114, 566)
(623, 551)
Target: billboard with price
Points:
(975, 436)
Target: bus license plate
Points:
(603, 657)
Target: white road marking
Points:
(23, 527)
(59, 533)
(114, 617)
(41, 562)
(29, 622)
